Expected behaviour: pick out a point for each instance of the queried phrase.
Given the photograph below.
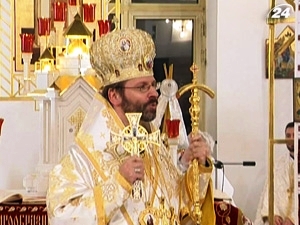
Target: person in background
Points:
(118, 172)
(284, 210)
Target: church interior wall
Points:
(243, 97)
(20, 142)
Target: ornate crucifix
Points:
(135, 139)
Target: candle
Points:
(107, 26)
(59, 9)
(173, 128)
(89, 12)
(1, 122)
(104, 27)
(44, 26)
(72, 2)
(27, 42)
(101, 27)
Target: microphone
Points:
(219, 165)
(249, 163)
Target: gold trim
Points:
(281, 141)
(23, 18)
(279, 21)
(284, 41)
(296, 99)
(99, 203)
(126, 215)
(40, 92)
(36, 106)
(16, 99)
(123, 182)
(76, 118)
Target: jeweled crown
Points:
(122, 55)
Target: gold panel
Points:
(24, 19)
(5, 47)
(296, 96)
(63, 83)
(15, 15)
(76, 118)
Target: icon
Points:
(282, 11)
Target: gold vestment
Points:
(86, 187)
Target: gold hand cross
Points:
(135, 139)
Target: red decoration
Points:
(89, 12)
(59, 9)
(104, 27)
(44, 26)
(1, 122)
(27, 42)
(173, 128)
(72, 2)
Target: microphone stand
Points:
(220, 165)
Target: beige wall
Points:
(236, 59)
(19, 142)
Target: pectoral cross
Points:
(135, 139)
(163, 213)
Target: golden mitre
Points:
(122, 55)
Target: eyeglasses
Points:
(145, 87)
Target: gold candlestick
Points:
(26, 56)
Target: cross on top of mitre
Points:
(134, 138)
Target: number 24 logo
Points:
(281, 11)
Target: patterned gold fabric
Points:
(87, 188)
(228, 214)
(122, 55)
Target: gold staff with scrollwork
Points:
(195, 117)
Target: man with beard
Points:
(284, 209)
(118, 172)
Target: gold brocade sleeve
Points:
(205, 194)
(86, 187)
